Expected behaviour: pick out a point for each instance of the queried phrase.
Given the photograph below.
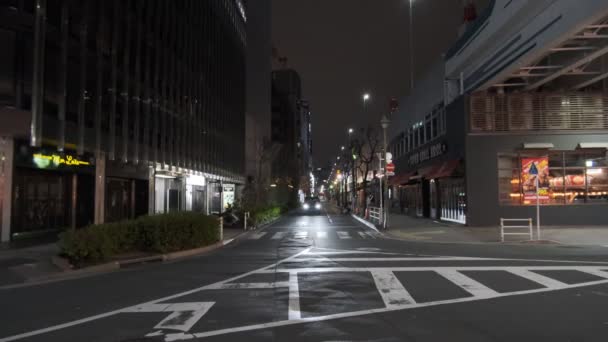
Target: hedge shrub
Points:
(158, 234)
(265, 214)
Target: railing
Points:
(538, 112)
(504, 224)
(375, 214)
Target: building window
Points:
(566, 178)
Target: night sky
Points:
(343, 48)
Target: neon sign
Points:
(45, 160)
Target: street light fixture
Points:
(385, 122)
(366, 97)
(342, 148)
(350, 131)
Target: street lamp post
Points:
(411, 48)
(384, 122)
(351, 164)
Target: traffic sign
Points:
(390, 167)
(533, 169)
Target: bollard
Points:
(245, 217)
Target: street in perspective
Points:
(287, 170)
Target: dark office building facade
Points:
(291, 128)
(111, 109)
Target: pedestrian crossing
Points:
(305, 234)
(387, 282)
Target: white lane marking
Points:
(279, 235)
(256, 236)
(330, 251)
(539, 279)
(238, 286)
(183, 315)
(115, 312)
(343, 235)
(294, 297)
(384, 259)
(391, 290)
(301, 234)
(321, 235)
(471, 285)
(182, 337)
(352, 252)
(428, 268)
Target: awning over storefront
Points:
(446, 169)
(401, 178)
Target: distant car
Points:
(312, 204)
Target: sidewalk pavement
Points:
(421, 229)
(21, 265)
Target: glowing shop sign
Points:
(46, 160)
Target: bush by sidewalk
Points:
(157, 234)
(263, 215)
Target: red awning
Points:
(401, 178)
(444, 170)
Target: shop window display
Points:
(566, 178)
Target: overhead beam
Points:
(510, 84)
(586, 59)
(591, 36)
(534, 67)
(590, 81)
(573, 48)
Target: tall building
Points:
(259, 68)
(291, 127)
(112, 109)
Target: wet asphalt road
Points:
(328, 278)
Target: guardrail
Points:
(375, 213)
(504, 226)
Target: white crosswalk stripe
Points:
(279, 235)
(321, 235)
(391, 290)
(540, 279)
(257, 236)
(367, 235)
(472, 286)
(343, 235)
(302, 234)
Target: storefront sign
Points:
(530, 169)
(50, 158)
(228, 195)
(428, 153)
(45, 160)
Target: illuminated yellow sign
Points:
(44, 160)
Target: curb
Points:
(365, 222)
(68, 271)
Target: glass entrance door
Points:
(433, 199)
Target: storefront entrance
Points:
(453, 200)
